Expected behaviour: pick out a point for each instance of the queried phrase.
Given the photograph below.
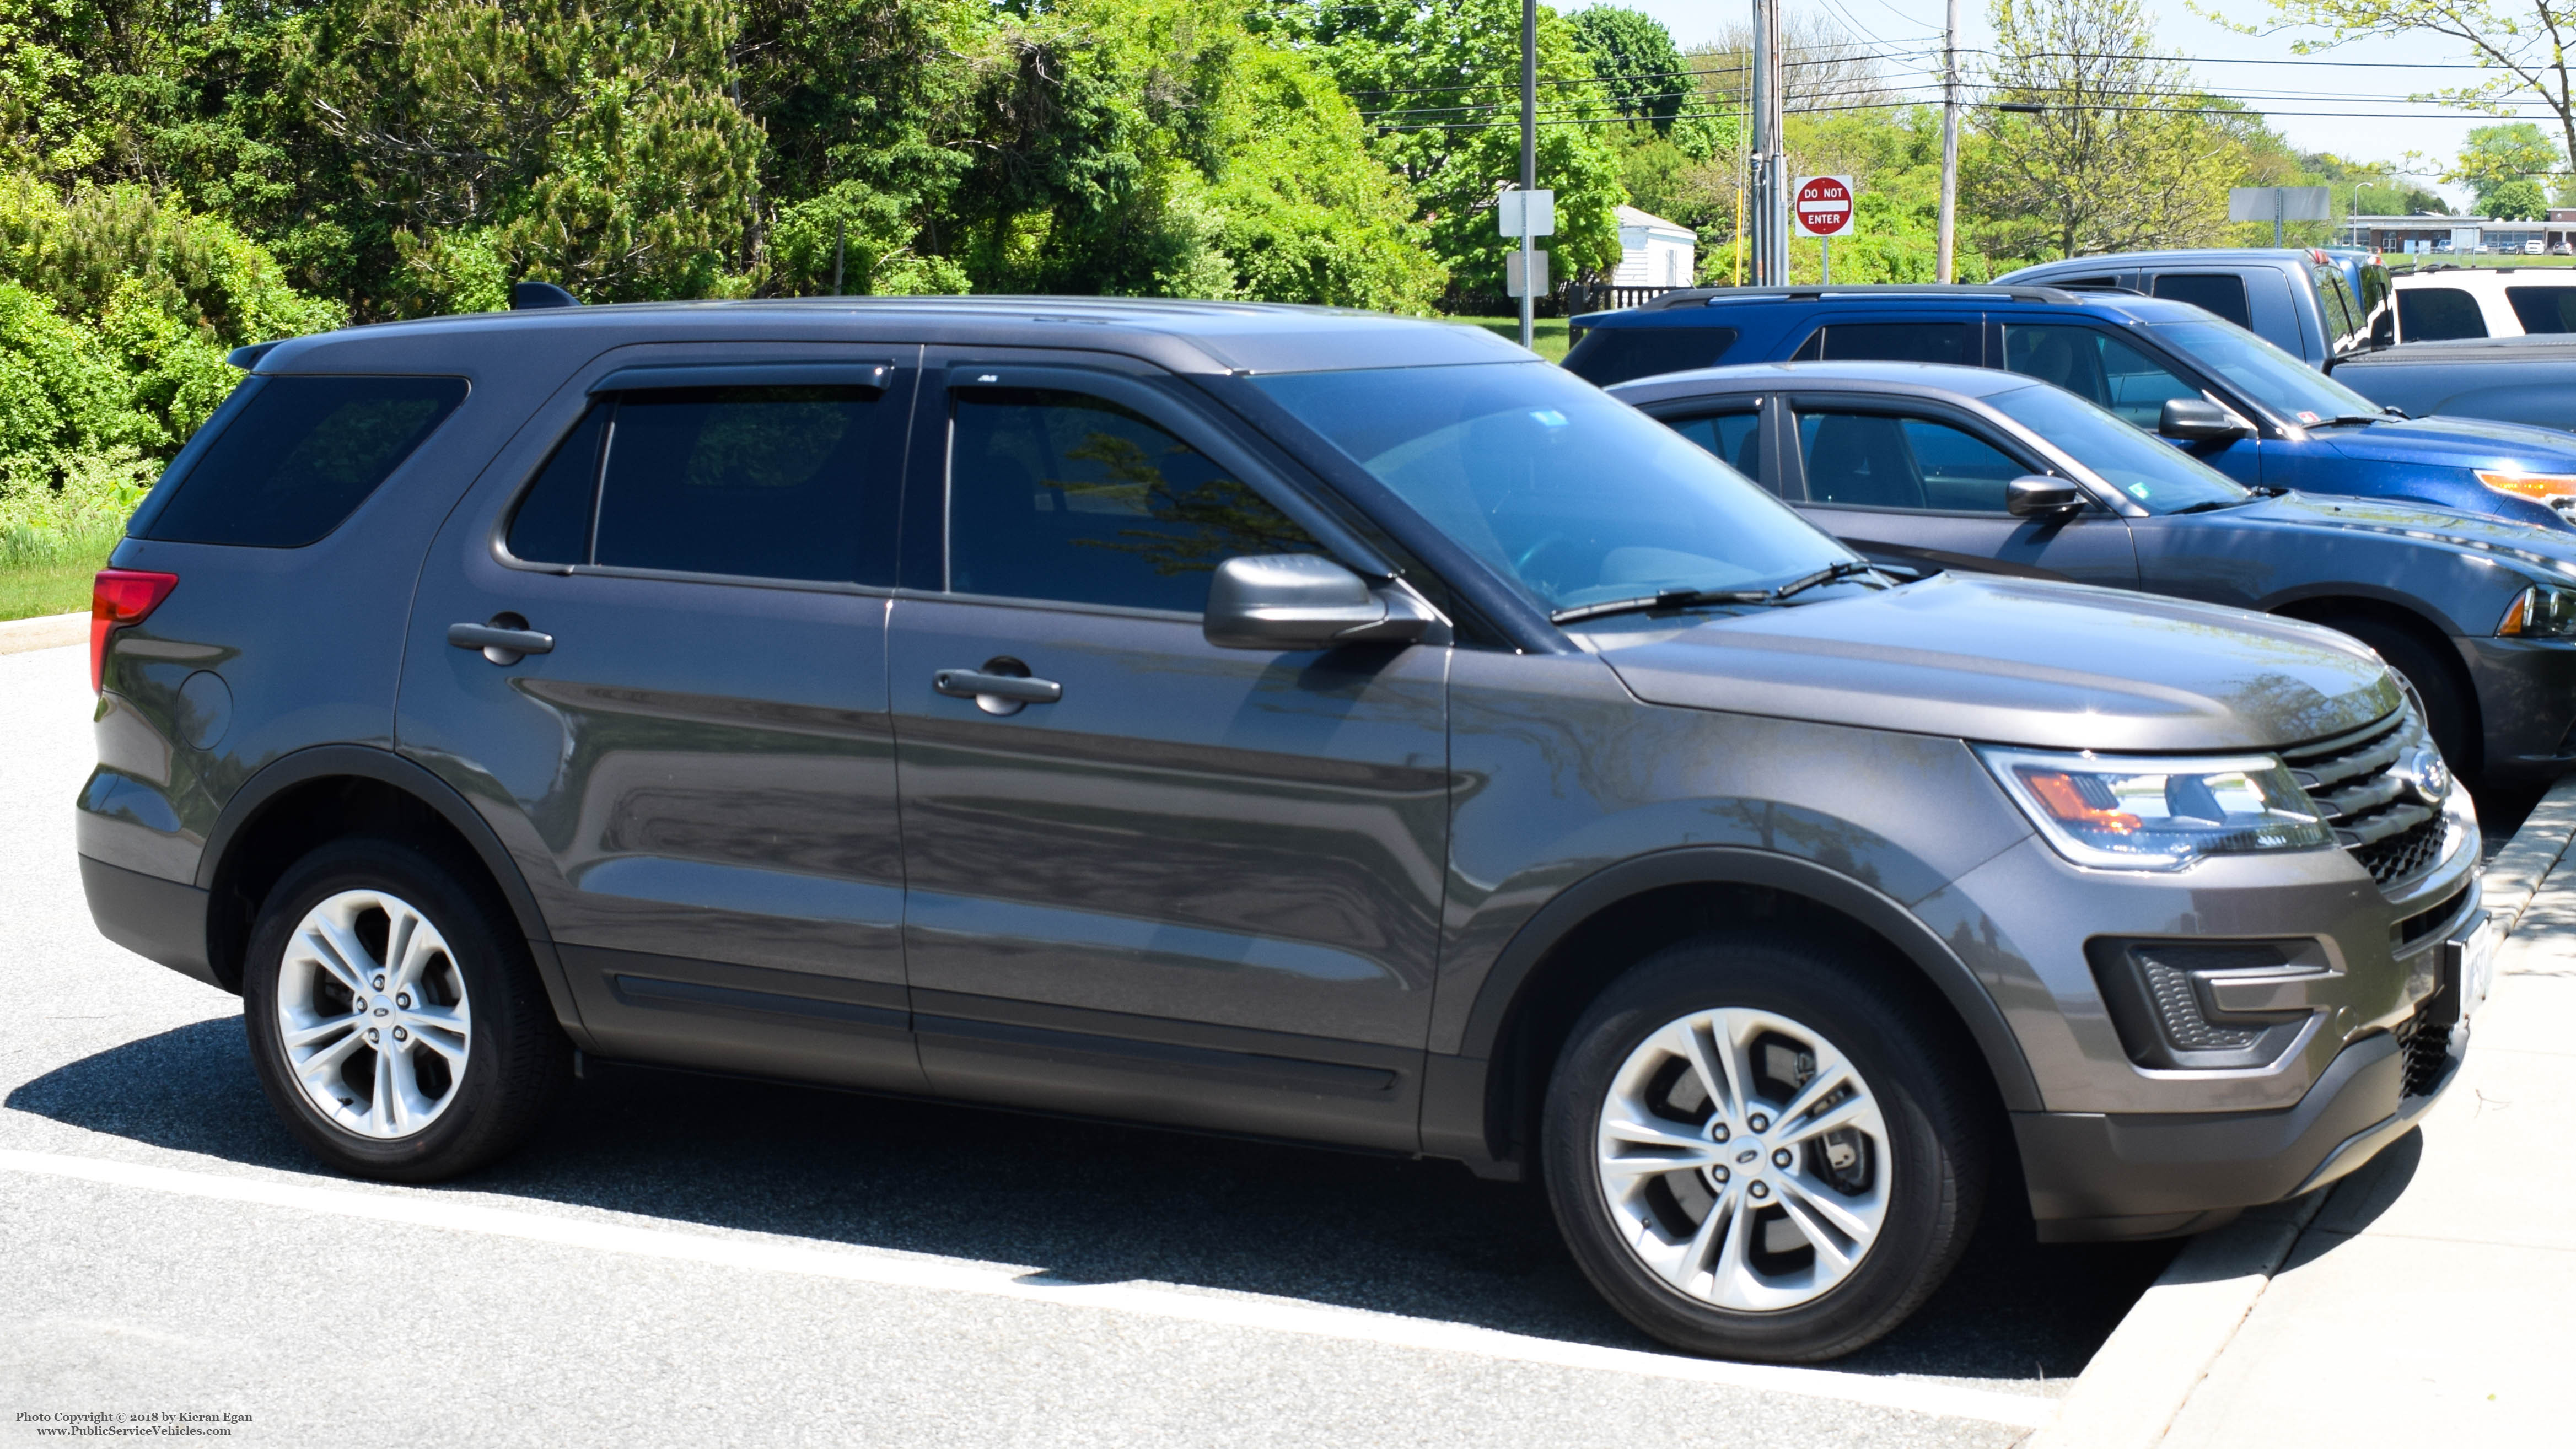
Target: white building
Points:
(1654, 252)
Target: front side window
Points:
(2439, 314)
(1572, 496)
(1881, 460)
(2220, 292)
(1070, 498)
(2096, 366)
(754, 482)
(2288, 387)
(2160, 477)
(1951, 342)
(300, 456)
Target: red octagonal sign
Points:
(1824, 206)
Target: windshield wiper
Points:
(2212, 505)
(1692, 598)
(2340, 419)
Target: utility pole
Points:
(1770, 166)
(1944, 269)
(1529, 169)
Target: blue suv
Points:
(2223, 394)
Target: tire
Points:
(1747, 1267)
(412, 1069)
(2447, 712)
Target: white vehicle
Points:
(2533, 248)
(2437, 304)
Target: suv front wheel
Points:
(394, 1016)
(1752, 1155)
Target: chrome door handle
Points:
(499, 644)
(977, 685)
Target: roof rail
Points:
(1705, 296)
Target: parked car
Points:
(2231, 399)
(1256, 719)
(2316, 305)
(1933, 467)
(2446, 303)
(2529, 380)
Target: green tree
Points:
(2500, 165)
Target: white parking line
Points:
(951, 1275)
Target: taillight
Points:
(120, 597)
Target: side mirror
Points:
(2198, 420)
(2036, 495)
(1297, 601)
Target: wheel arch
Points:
(1543, 979)
(2324, 608)
(316, 794)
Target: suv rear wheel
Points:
(394, 1017)
(1751, 1154)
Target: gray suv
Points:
(1260, 720)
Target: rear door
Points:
(1910, 482)
(1180, 883)
(696, 776)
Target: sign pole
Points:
(1529, 169)
(1825, 256)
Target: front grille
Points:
(2425, 1046)
(2370, 803)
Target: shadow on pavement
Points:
(1091, 1202)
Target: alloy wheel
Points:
(1744, 1159)
(372, 1013)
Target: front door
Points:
(697, 774)
(1908, 483)
(1148, 876)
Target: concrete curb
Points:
(2129, 1395)
(50, 632)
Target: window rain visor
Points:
(1575, 497)
(2158, 814)
(2158, 475)
(2294, 391)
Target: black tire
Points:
(1935, 1143)
(2448, 715)
(515, 1057)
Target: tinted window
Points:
(1057, 495)
(2097, 367)
(1609, 355)
(2438, 314)
(552, 524)
(301, 455)
(2544, 309)
(2219, 292)
(762, 482)
(1575, 497)
(2270, 376)
(1734, 439)
(1891, 342)
(1880, 461)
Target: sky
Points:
(2273, 81)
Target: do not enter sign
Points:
(1824, 206)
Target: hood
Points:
(2023, 662)
(2516, 544)
(2460, 442)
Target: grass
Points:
(49, 573)
(1549, 333)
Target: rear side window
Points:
(2438, 314)
(1610, 355)
(2544, 309)
(752, 482)
(2219, 292)
(300, 456)
(1950, 342)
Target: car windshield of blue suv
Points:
(2294, 391)
(1584, 501)
(2159, 476)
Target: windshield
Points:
(2157, 474)
(1579, 498)
(2290, 388)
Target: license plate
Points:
(2474, 971)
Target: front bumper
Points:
(2096, 1176)
(2526, 705)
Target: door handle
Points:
(1003, 694)
(500, 643)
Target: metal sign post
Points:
(1529, 168)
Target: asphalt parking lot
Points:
(683, 1259)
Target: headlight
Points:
(2558, 490)
(2543, 611)
(2149, 814)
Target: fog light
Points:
(2166, 1000)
